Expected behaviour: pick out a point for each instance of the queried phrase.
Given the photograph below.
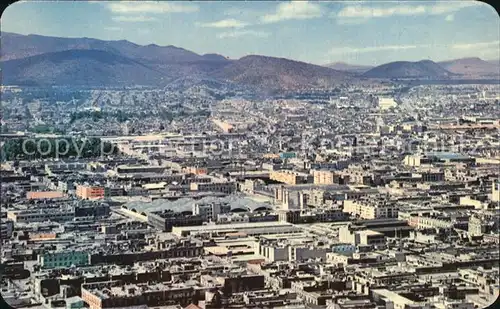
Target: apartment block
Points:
(63, 259)
(367, 209)
(325, 177)
(290, 177)
(90, 192)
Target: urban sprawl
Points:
(360, 197)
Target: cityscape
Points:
(289, 155)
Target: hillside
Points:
(36, 59)
(79, 67)
(494, 61)
(279, 73)
(472, 67)
(42, 60)
(407, 69)
(15, 46)
(354, 68)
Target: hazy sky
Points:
(362, 32)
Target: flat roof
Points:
(395, 297)
(249, 229)
(370, 232)
(234, 226)
(151, 186)
(246, 257)
(446, 155)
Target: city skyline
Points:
(368, 33)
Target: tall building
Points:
(495, 191)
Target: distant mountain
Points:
(214, 57)
(473, 67)
(279, 73)
(41, 60)
(168, 62)
(407, 69)
(494, 61)
(173, 61)
(354, 68)
(16, 46)
(79, 67)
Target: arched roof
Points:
(238, 204)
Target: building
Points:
(223, 126)
(325, 177)
(223, 187)
(90, 192)
(370, 238)
(364, 237)
(64, 167)
(252, 228)
(115, 294)
(290, 177)
(113, 191)
(241, 283)
(438, 157)
(41, 215)
(394, 300)
(195, 170)
(166, 220)
(388, 227)
(386, 103)
(297, 216)
(431, 219)
(304, 252)
(431, 175)
(7, 227)
(132, 169)
(39, 195)
(287, 155)
(210, 211)
(480, 225)
(63, 259)
(246, 217)
(495, 191)
(371, 209)
(92, 209)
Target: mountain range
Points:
(42, 60)
(473, 67)
(458, 68)
(407, 69)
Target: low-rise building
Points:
(166, 220)
(88, 192)
(63, 259)
(371, 209)
(290, 177)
